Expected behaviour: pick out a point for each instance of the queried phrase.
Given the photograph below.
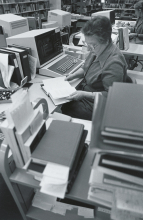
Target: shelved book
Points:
(122, 123)
(114, 171)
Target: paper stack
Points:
(52, 204)
(55, 180)
(112, 172)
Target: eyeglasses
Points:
(92, 46)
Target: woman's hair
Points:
(139, 5)
(99, 26)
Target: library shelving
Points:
(25, 8)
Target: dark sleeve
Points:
(114, 71)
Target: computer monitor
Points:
(108, 13)
(13, 24)
(62, 17)
(45, 44)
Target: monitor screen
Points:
(49, 45)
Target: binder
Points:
(24, 60)
(16, 77)
(59, 144)
(18, 59)
(28, 49)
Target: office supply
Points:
(62, 17)
(109, 14)
(120, 117)
(16, 76)
(24, 60)
(66, 148)
(2, 37)
(22, 48)
(13, 24)
(58, 89)
(18, 60)
(121, 39)
(125, 174)
(46, 46)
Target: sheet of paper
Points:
(58, 87)
(4, 68)
(20, 112)
(129, 200)
(54, 190)
(86, 212)
(32, 64)
(56, 173)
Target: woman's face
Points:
(93, 45)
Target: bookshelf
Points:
(122, 8)
(25, 8)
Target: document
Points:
(58, 89)
(55, 180)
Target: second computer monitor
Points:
(108, 13)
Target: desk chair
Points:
(134, 63)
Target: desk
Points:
(134, 49)
(35, 92)
(19, 177)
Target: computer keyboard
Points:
(67, 65)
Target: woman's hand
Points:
(70, 77)
(78, 95)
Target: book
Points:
(123, 173)
(135, 144)
(123, 103)
(23, 48)
(58, 89)
(24, 60)
(16, 76)
(56, 149)
(18, 59)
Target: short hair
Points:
(99, 26)
(139, 5)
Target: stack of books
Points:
(122, 123)
(114, 171)
(117, 122)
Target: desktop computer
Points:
(108, 13)
(62, 17)
(46, 46)
(50, 24)
(13, 24)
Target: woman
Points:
(104, 65)
(136, 34)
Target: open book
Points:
(58, 89)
